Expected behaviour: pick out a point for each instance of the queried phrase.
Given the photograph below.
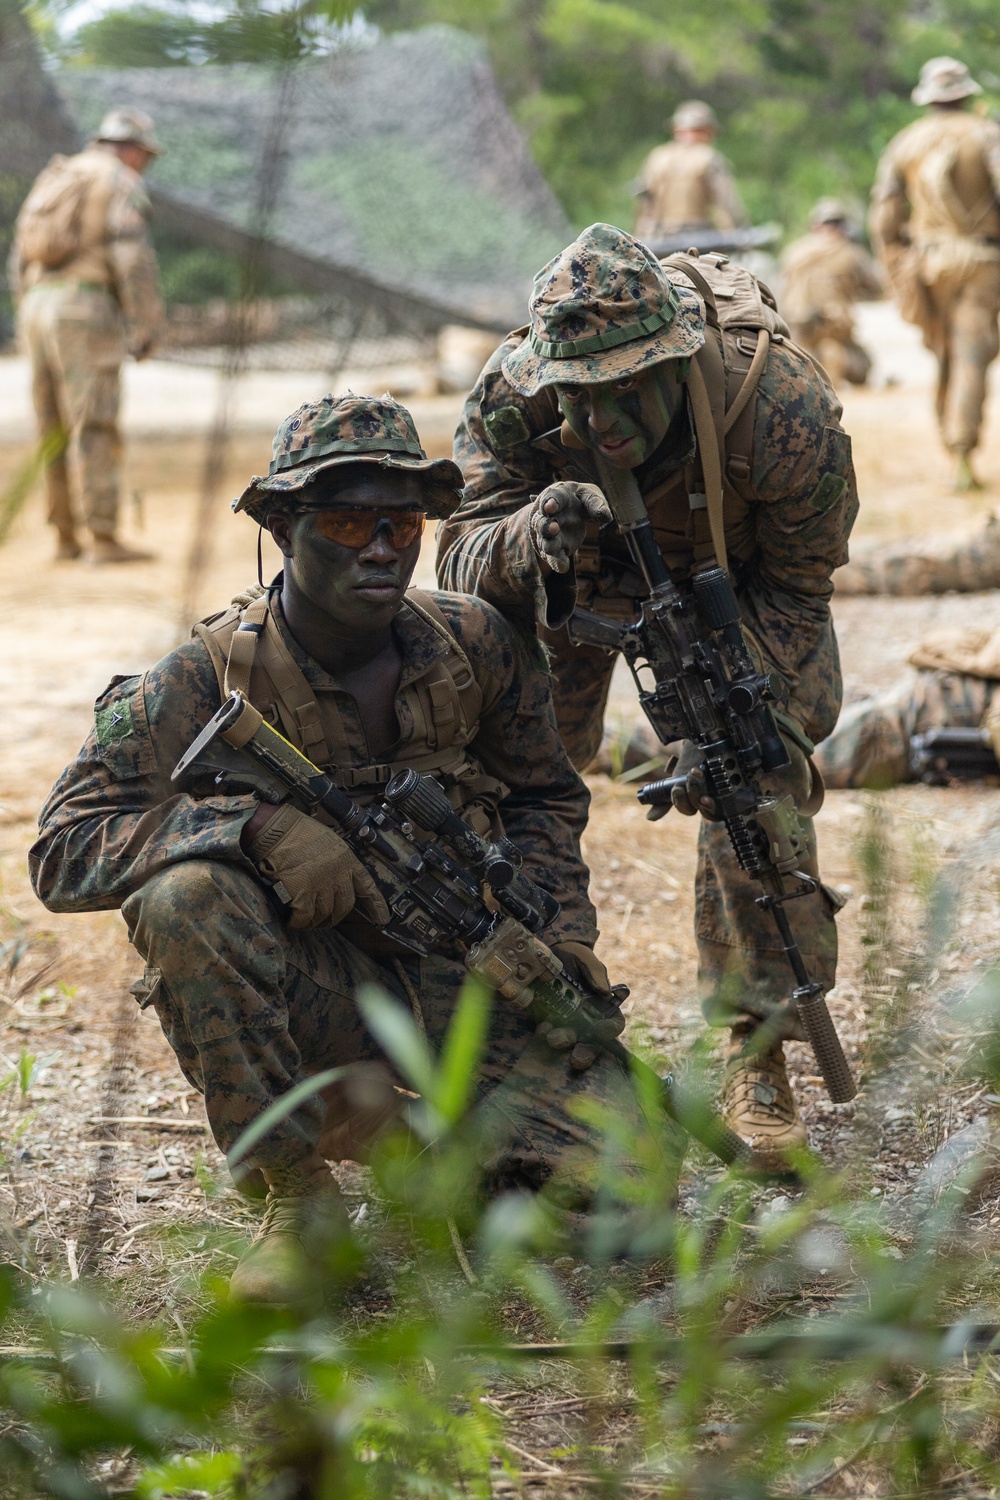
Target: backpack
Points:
(50, 224)
(742, 320)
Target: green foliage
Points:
(808, 91)
(723, 1392)
(165, 36)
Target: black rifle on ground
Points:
(717, 241)
(707, 689)
(944, 755)
(433, 887)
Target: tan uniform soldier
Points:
(84, 272)
(687, 184)
(822, 275)
(935, 220)
(951, 561)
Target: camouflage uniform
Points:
(788, 508)
(953, 687)
(935, 219)
(687, 184)
(822, 275)
(248, 1004)
(940, 563)
(77, 321)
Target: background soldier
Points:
(687, 184)
(603, 368)
(84, 270)
(954, 686)
(366, 680)
(939, 563)
(935, 220)
(822, 275)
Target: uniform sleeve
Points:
(991, 154)
(545, 811)
(889, 212)
(804, 482)
(486, 548)
(133, 264)
(728, 209)
(114, 818)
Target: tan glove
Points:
(693, 797)
(321, 878)
(585, 968)
(559, 517)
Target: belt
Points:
(81, 286)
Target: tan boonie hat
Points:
(944, 80)
(349, 430)
(129, 127)
(830, 211)
(694, 114)
(602, 310)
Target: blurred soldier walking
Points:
(823, 274)
(84, 271)
(935, 219)
(687, 184)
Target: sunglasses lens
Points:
(355, 528)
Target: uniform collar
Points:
(419, 643)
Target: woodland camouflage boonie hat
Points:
(349, 430)
(602, 310)
(944, 80)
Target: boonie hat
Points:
(129, 127)
(944, 80)
(602, 310)
(830, 211)
(350, 429)
(694, 114)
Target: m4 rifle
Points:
(707, 689)
(434, 885)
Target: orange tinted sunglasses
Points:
(355, 528)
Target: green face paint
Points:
(626, 420)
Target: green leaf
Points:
(280, 1110)
(463, 1050)
(397, 1033)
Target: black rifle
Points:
(944, 755)
(707, 689)
(716, 241)
(433, 888)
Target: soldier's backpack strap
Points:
(243, 639)
(454, 699)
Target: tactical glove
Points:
(692, 797)
(585, 968)
(321, 879)
(558, 520)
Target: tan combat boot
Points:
(68, 549)
(965, 476)
(757, 1103)
(305, 1214)
(108, 549)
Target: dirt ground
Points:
(86, 1189)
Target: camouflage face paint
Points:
(357, 588)
(625, 420)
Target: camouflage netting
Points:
(396, 161)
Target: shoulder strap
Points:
(455, 695)
(707, 407)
